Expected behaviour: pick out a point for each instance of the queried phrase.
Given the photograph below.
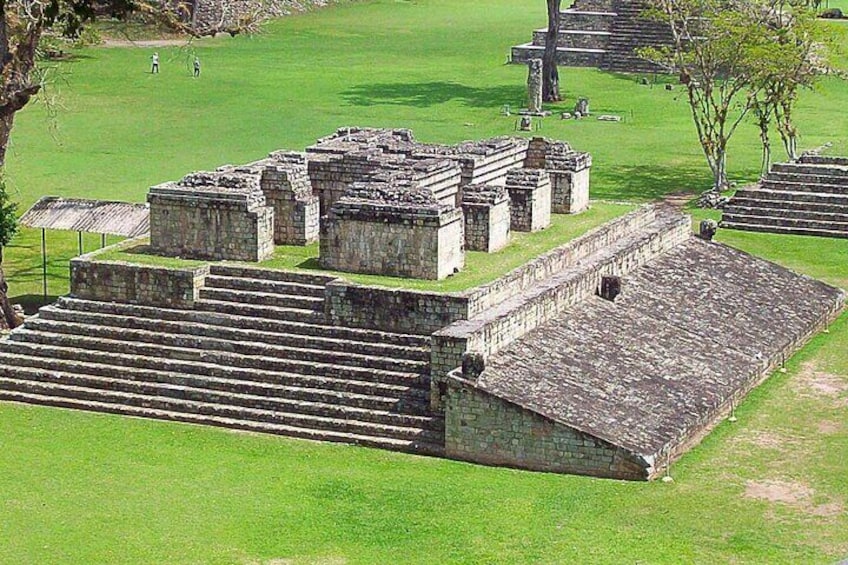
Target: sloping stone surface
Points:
(689, 331)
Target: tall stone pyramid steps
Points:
(359, 394)
(834, 219)
(260, 324)
(630, 32)
(814, 168)
(566, 56)
(222, 332)
(310, 427)
(192, 348)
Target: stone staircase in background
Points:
(600, 33)
(254, 354)
(804, 197)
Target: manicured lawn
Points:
(479, 268)
(86, 488)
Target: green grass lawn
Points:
(480, 267)
(85, 488)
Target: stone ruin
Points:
(379, 201)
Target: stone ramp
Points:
(608, 384)
(254, 354)
(804, 197)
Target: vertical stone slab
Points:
(534, 86)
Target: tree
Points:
(714, 50)
(8, 219)
(23, 24)
(550, 74)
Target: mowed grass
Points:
(480, 267)
(89, 488)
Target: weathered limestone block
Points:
(285, 184)
(569, 172)
(530, 196)
(487, 217)
(218, 216)
(382, 230)
(8, 317)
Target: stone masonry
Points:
(530, 199)
(219, 216)
(487, 217)
(569, 172)
(285, 184)
(398, 231)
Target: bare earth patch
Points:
(828, 427)
(793, 494)
(811, 382)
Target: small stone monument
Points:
(707, 229)
(534, 86)
(582, 107)
(526, 123)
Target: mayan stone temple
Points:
(609, 355)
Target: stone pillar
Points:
(530, 199)
(534, 86)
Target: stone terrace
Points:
(805, 197)
(623, 386)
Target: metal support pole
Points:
(102, 240)
(44, 261)
(79, 234)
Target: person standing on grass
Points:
(196, 67)
(155, 68)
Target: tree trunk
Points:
(6, 121)
(8, 320)
(550, 74)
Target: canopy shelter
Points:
(124, 219)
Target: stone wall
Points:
(285, 184)
(487, 217)
(381, 230)
(485, 429)
(530, 199)
(114, 281)
(392, 310)
(217, 216)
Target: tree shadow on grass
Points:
(648, 182)
(427, 94)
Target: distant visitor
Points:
(154, 69)
(196, 67)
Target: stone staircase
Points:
(600, 33)
(804, 197)
(632, 31)
(254, 354)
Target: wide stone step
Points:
(261, 311)
(373, 396)
(797, 168)
(568, 57)
(829, 160)
(206, 414)
(294, 406)
(344, 379)
(182, 327)
(153, 355)
(241, 271)
(142, 342)
(735, 210)
(779, 229)
(806, 183)
(762, 203)
(793, 196)
(265, 285)
(263, 298)
(251, 323)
